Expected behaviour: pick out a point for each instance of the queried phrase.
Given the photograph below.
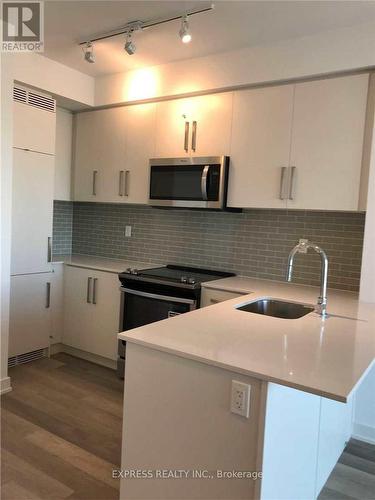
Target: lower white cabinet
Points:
(57, 303)
(30, 313)
(91, 311)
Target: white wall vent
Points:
(19, 94)
(27, 357)
(32, 98)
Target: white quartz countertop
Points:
(100, 263)
(325, 357)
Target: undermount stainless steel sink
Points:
(277, 308)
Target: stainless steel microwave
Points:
(198, 182)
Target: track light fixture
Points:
(184, 31)
(129, 46)
(133, 26)
(89, 52)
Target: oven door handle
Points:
(178, 300)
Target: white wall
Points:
(340, 50)
(40, 72)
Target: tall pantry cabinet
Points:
(32, 214)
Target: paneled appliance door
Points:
(32, 212)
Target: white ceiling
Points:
(231, 25)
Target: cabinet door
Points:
(260, 147)
(129, 178)
(57, 302)
(91, 311)
(34, 128)
(211, 122)
(106, 315)
(327, 142)
(63, 157)
(29, 315)
(32, 211)
(78, 320)
(173, 129)
(208, 130)
(99, 149)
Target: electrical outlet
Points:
(128, 231)
(240, 398)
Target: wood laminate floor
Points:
(61, 431)
(61, 437)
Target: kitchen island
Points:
(302, 375)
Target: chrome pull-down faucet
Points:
(302, 247)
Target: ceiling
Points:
(231, 25)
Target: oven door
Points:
(188, 182)
(141, 308)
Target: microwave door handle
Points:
(204, 182)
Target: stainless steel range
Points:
(154, 294)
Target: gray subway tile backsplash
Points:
(253, 243)
(62, 227)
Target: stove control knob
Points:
(191, 281)
(183, 279)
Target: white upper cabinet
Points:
(99, 147)
(299, 146)
(197, 126)
(34, 121)
(63, 163)
(327, 143)
(113, 147)
(32, 212)
(261, 137)
(130, 174)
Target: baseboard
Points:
(88, 356)
(364, 433)
(5, 385)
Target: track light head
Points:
(129, 46)
(184, 31)
(89, 53)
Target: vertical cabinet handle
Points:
(282, 183)
(121, 183)
(88, 294)
(292, 183)
(126, 185)
(49, 249)
(48, 295)
(94, 176)
(186, 141)
(94, 291)
(204, 182)
(194, 136)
